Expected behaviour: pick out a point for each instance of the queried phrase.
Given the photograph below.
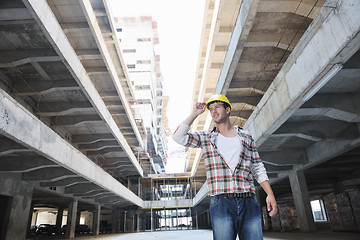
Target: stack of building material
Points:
(340, 212)
(333, 212)
(275, 223)
(355, 204)
(288, 217)
(266, 219)
(346, 213)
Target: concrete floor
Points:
(207, 235)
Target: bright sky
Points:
(179, 29)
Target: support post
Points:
(59, 217)
(96, 220)
(302, 202)
(71, 219)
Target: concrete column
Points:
(59, 217)
(71, 219)
(96, 220)
(18, 203)
(177, 217)
(302, 203)
(138, 222)
(114, 222)
(29, 221)
(133, 222)
(197, 221)
(139, 187)
(78, 215)
(126, 219)
(208, 222)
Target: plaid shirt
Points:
(219, 176)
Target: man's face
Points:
(218, 112)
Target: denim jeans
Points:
(235, 216)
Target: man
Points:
(231, 161)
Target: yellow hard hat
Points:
(218, 98)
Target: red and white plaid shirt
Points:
(219, 176)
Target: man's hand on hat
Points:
(199, 107)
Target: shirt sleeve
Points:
(183, 137)
(257, 167)
(180, 135)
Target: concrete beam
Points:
(64, 182)
(297, 135)
(91, 138)
(324, 129)
(81, 188)
(41, 11)
(302, 8)
(63, 108)
(114, 74)
(76, 119)
(284, 157)
(98, 145)
(24, 164)
(48, 173)
(14, 14)
(107, 199)
(276, 168)
(41, 139)
(96, 195)
(118, 150)
(332, 38)
(91, 193)
(36, 87)
(243, 25)
(330, 113)
(176, 203)
(250, 100)
(30, 60)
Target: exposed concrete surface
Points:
(207, 235)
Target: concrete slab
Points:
(207, 235)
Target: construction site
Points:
(84, 128)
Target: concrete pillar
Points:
(208, 222)
(96, 220)
(302, 203)
(78, 215)
(139, 187)
(29, 221)
(125, 219)
(114, 223)
(59, 218)
(71, 219)
(197, 223)
(133, 222)
(18, 202)
(138, 222)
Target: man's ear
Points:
(228, 110)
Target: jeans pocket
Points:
(214, 201)
(255, 202)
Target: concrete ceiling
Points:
(299, 100)
(60, 61)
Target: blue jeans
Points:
(235, 216)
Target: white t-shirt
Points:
(229, 148)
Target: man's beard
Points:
(220, 120)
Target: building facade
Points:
(138, 40)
